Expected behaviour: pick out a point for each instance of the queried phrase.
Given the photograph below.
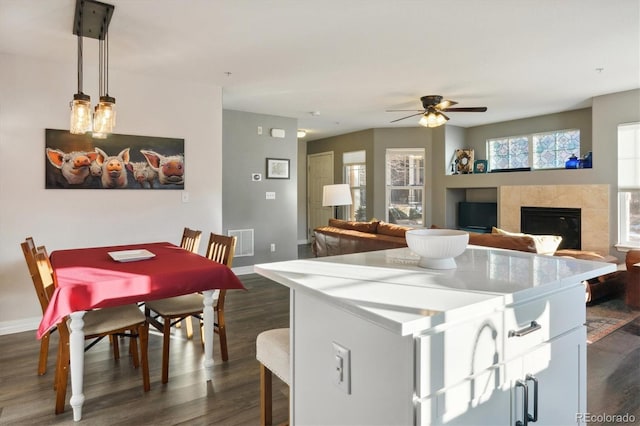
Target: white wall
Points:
(34, 95)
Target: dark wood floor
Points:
(114, 395)
(113, 390)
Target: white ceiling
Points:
(351, 60)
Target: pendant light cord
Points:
(106, 65)
(80, 59)
(101, 67)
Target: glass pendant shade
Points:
(104, 119)
(80, 114)
(433, 119)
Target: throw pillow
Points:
(545, 244)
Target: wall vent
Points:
(244, 244)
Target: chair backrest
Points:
(221, 249)
(190, 240)
(40, 270)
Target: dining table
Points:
(102, 277)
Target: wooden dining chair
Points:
(44, 294)
(190, 240)
(118, 321)
(172, 310)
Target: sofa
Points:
(345, 237)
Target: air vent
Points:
(244, 244)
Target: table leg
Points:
(76, 355)
(207, 317)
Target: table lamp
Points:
(336, 195)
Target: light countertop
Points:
(389, 288)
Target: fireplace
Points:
(553, 221)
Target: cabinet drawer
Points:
(529, 324)
(447, 357)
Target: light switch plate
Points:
(270, 195)
(342, 367)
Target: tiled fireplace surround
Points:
(593, 200)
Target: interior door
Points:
(319, 174)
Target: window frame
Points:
(362, 188)
(389, 188)
(625, 190)
(530, 148)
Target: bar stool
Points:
(272, 351)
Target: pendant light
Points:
(81, 104)
(92, 20)
(104, 119)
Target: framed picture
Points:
(277, 168)
(480, 166)
(118, 162)
(464, 160)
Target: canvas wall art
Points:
(117, 162)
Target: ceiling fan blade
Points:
(404, 110)
(445, 104)
(408, 116)
(466, 109)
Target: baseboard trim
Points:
(18, 326)
(243, 270)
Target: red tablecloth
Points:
(89, 278)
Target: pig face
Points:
(74, 165)
(170, 169)
(142, 173)
(114, 174)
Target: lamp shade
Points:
(336, 195)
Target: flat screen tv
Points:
(477, 215)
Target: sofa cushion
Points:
(544, 244)
(520, 243)
(369, 227)
(391, 229)
(330, 241)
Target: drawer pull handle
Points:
(523, 332)
(525, 403)
(533, 418)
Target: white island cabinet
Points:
(378, 340)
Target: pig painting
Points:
(142, 172)
(114, 173)
(170, 168)
(74, 166)
(128, 162)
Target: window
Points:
(629, 185)
(508, 153)
(405, 186)
(549, 150)
(355, 174)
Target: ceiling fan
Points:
(434, 108)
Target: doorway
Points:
(319, 174)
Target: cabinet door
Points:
(559, 367)
(483, 399)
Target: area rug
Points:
(606, 317)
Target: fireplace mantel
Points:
(593, 200)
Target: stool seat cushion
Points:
(272, 350)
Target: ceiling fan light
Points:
(432, 119)
(104, 118)
(80, 122)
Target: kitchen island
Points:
(378, 340)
